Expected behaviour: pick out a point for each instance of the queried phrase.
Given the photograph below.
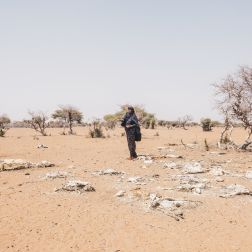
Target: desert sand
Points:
(35, 216)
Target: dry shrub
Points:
(38, 122)
(95, 130)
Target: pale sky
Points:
(96, 54)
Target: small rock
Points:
(217, 171)
(135, 179)
(44, 164)
(193, 168)
(233, 190)
(109, 172)
(219, 179)
(54, 175)
(14, 164)
(217, 153)
(42, 146)
(198, 190)
(169, 203)
(249, 175)
(148, 162)
(171, 165)
(79, 186)
(173, 156)
(120, 193)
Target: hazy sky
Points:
(98, 54)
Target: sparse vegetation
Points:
(4, 121)
(183, 122)
(38, 122)
(95, 130)
(68, 115)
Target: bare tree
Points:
(235, 99)
(184, 121)
(68, 115)
(4, 121)
(38, 122)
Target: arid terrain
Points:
(173, 198)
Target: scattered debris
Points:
(171, 207)
(77, 186)
(191, 183)
(233, 190)
(196, 188)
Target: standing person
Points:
(131, 125)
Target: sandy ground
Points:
(33, 217)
